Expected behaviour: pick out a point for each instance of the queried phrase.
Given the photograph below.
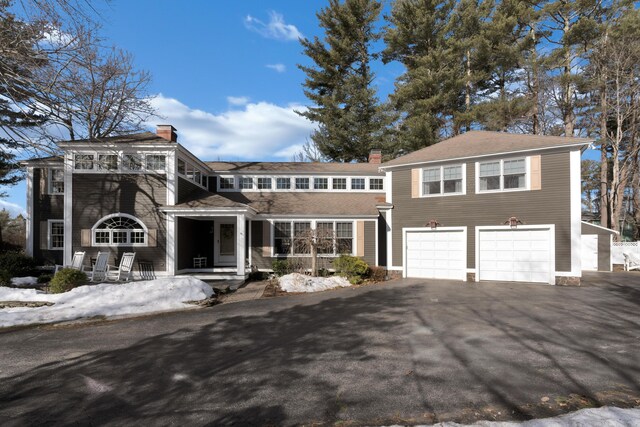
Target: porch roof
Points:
(284, 203)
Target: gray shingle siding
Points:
(45, 207)
(98, 195)
(549, 205)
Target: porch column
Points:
(240, 244)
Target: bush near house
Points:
(67, 279)
(377, 274)
(352, 267)
(5, 278)
(17, 264)
(281, 267)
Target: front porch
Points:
(211, 247)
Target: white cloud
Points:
(280, 68)
(259, 131)
(237, 100)
(276, 28)
(13, 208)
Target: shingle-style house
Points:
(479, 206)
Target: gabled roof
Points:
(42, 160)
(484, 143)
(287, 203)
(295, 167)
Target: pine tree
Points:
(425, 93)
(502, 94)
(339, 84)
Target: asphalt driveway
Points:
(404, 352)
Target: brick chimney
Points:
(375, 157)
(167, 132)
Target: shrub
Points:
(256, 276)
(281, 267)
(377, 274)
(17, 264)
(356, 280)
(5, 278)
(67, 279)
(350, 266)
(44, 278)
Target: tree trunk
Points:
(535, 87)
(467, 96)
(314, 260)
(568, 115)
(604, 164)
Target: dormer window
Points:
(264, 183)
(357, 183)
(84, 161)
(283, 183)
(156, 162)
(131, 162)
(339, 183)
(246, 183)
(227, 183)
(302, 183)
(107, 162)
(320, 183)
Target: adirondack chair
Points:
(631, 262)
(99, 270)
(76, 262)
(124, 272)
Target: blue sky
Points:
(224, 72)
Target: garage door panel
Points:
(437, 254)
(515, 255)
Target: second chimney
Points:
(167, 132)
(375, 156)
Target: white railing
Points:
(618, 249)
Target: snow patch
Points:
(603, 417)
(24, 281)
(105, 299)
(296, 282)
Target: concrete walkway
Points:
(253, 290)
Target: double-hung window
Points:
(56, 235)
(502, 175)
(301, 238)
(292, 237)
(440, 180)
(56, 181)
(282, 238)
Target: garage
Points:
(439, 253)
(522, 254)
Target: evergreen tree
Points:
(426, 93)
(502, 95)
(339, 84)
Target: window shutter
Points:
(152, 237)
(415, 183)
(44, 235)
(360, 239)
(266, 238)
(85, 238)
(536, 173)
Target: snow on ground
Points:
(606, 416)
(105, 299)
(24, 281)
(296, 282)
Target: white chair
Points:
(76, 262)
(631, 262)
(124, 272)
(99, 270)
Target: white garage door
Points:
(521, 255)
(436, 254)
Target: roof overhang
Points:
(600, 227)
(582, 145)
(202, 212)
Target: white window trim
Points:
(120, 169)
(292, 179)
(442, 193)
(527, 176)
(313, 223)
(101, 220)
(191, 165)
(50, 223)
(50, 181)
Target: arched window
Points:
(119, 229)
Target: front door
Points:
(225, 243)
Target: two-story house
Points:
(479, 206)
